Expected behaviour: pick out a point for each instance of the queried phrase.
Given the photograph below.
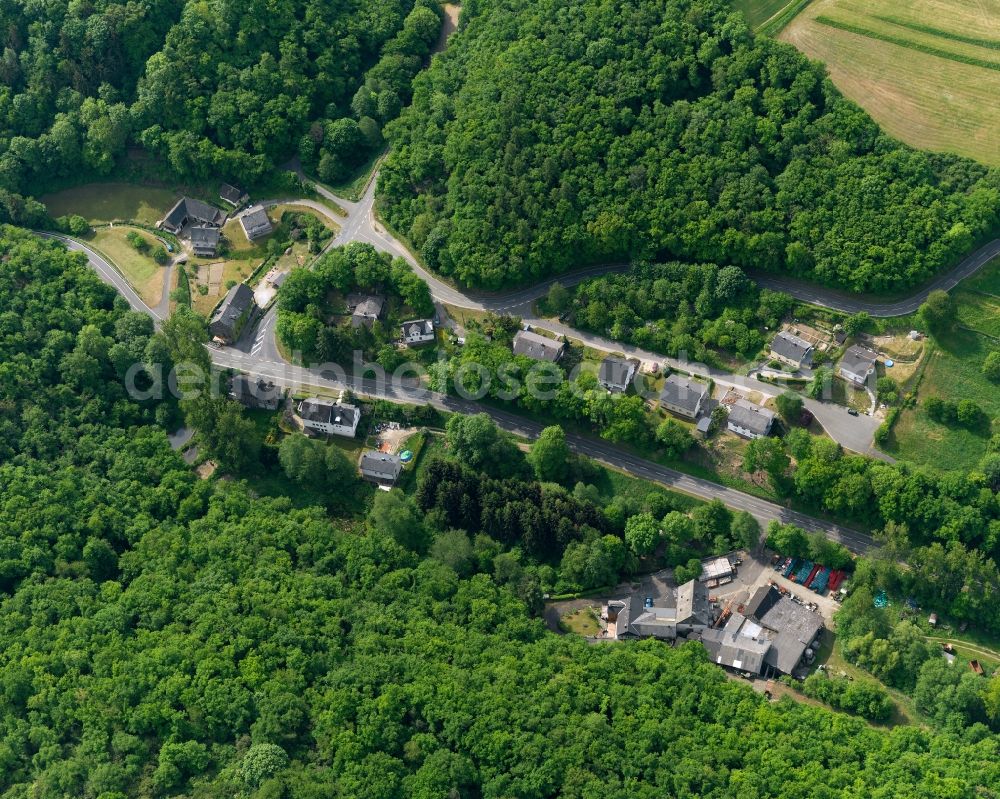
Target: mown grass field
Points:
(928, 71)
(141, 271)
(110, 202)
(759, 12)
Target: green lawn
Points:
(953, 371)
(582, 622)
(987, 280)
(141, 271)
(110, 202)
(980, 312)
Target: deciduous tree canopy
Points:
(164, 636)
(555, 134)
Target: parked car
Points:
(853, 412)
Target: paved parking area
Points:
(755, 572)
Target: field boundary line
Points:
(781, 19)
(908, 43)
(930, 30)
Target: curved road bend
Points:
(297, 377)
(854, 433)
(360, 225)
(846, 303)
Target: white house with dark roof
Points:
(789, 348)
(417, 331)
(857, 365)
(205, 241)
(749, 420)
(616, 373)
(329, 417)
(255, 223)
(683, 396)
(537, 347)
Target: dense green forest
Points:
(166, 636)
(312, 315)
(218, 90)
(555, 134)
(675, 308)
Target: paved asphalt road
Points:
(300, 378)
(842, 301)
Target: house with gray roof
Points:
(749, 420)
(188, 211)
(232, 195)
(857, 365)
(329, 417)
(205, 241)
(537, 347)
(255, 223)
(683, 396)
(365, 308)
(793, 627)
(231, 314)
(380, 467)
(255, 392)
(792, 350)
(616, 373)
(742, 645)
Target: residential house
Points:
(616, 373)
(380, 467)
(365, 308)
(255, 223)
(205, 241)
(187, 211)
(540, 348)
(857, 365)
(749, 420)
(792, 350)
(329, 417)
(232, 314)
(255, 392)
(417, 331)
(687, 610)
(683, 396)
(232, 195)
